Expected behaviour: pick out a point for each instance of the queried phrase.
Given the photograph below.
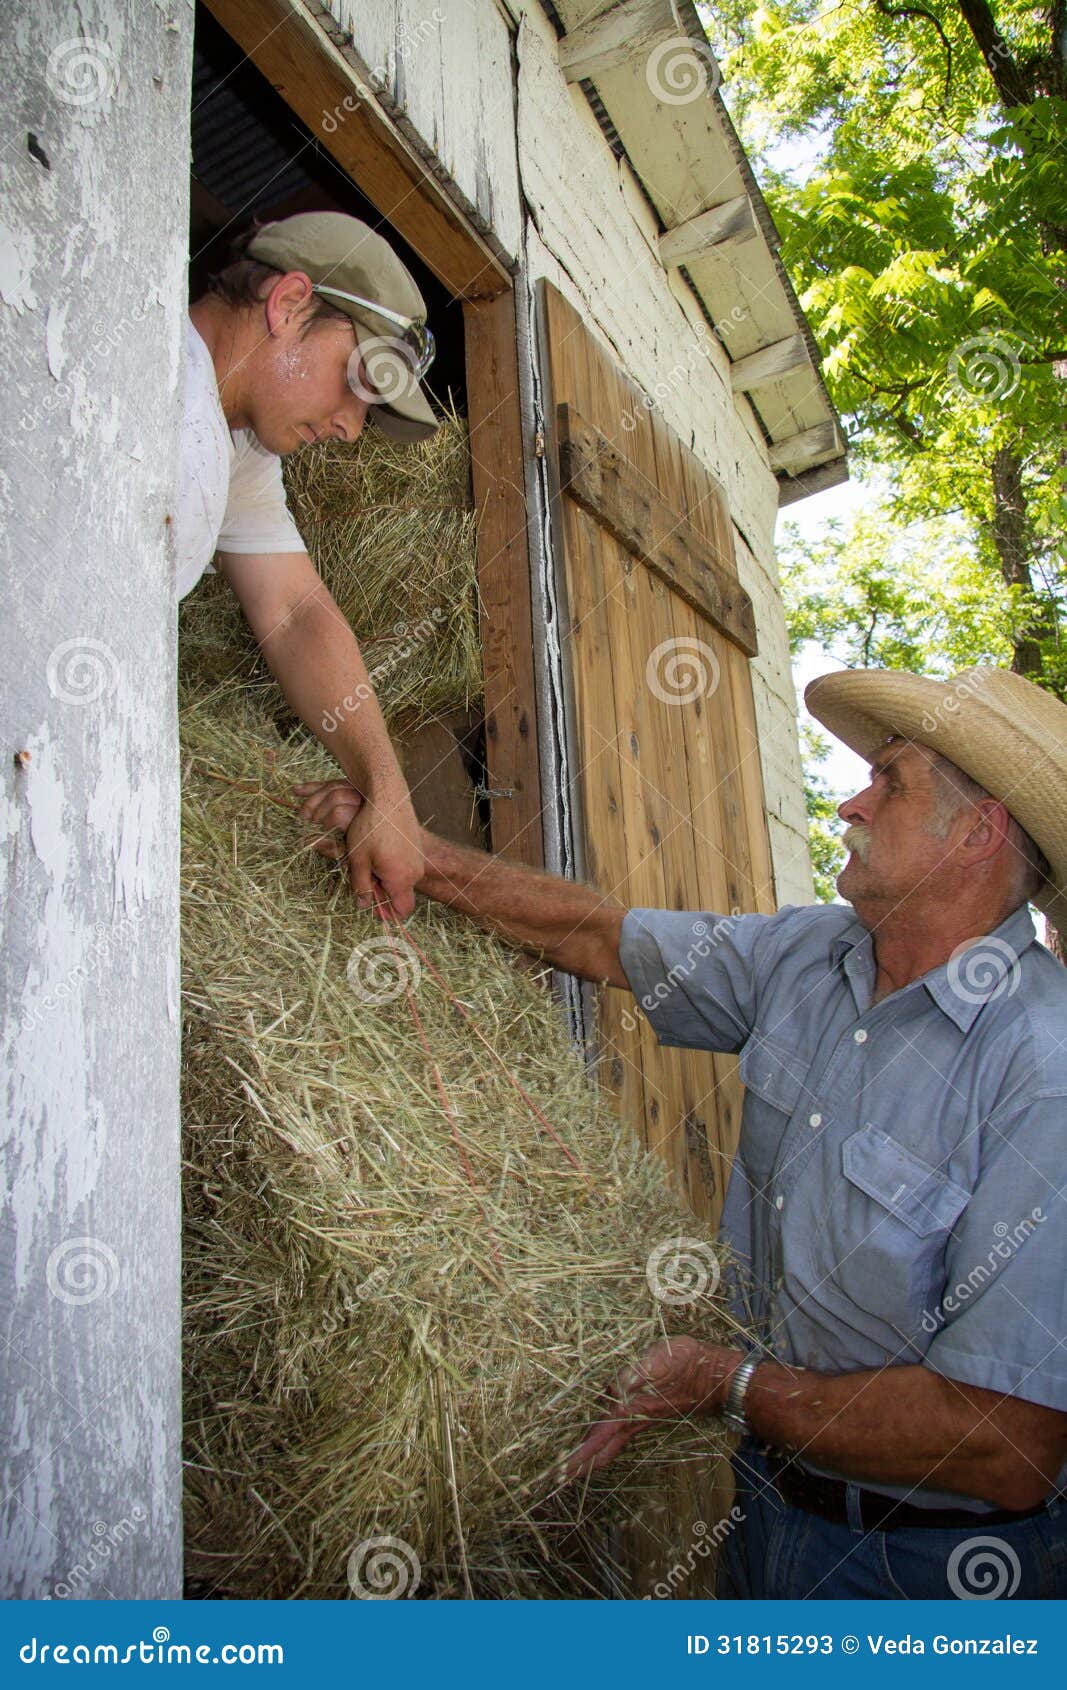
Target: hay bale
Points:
(391, 529)
(395, 1324)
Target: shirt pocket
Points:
(774, 1077)
(887, 1228)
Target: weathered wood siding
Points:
(92, 260)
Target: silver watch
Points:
(733, 1411)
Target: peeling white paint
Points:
(53, 336)
(45, 805)
(89, 1036)
(17, 256)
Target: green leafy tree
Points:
(928, 239)
(824, 827)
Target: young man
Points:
(897, 1198)
(315, 329)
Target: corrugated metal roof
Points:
(242, 161)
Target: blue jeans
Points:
(780, 1553)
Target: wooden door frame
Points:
(315, 75)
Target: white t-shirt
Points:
(231, 494)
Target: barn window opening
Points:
(390, 527)
(253, 158)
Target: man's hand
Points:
(382, 839)
(331, 805)
(675, 1378)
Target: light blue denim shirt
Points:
(898, 1191)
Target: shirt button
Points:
(860, 1035)
(815, 1120)
(778, 1201)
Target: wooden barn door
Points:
(657, 637)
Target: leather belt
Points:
(828, 1498)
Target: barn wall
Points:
(588, 229)
(92, 256)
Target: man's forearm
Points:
(316, 660)
(898, 1426)
(574, 927)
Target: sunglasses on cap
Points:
(415, 337)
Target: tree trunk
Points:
(1013, 541)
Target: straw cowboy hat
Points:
(1006, 733)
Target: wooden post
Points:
(503, 578)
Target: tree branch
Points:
(889, 11)
(1008, 79)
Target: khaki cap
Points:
(1006, 733)
(341, 252)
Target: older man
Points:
(314, 328)
(896, 1200)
